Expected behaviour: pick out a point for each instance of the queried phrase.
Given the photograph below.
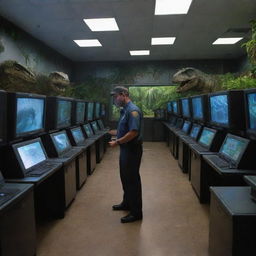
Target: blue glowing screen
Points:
(175, 107)
(88, 130)
(197, 107)
(64, 113)
(61, 142)
(78, 135)
(90, 111)
(31, 154)
(206, 137)
(252, 110)
(185, 107)
(30, 114)
(169, 107)
(80, 112)
(186, 126)
(194, 132)
(219, 109)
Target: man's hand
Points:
(112, 132)
(113, 143)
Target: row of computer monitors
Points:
(232, 149)
(25, 114)
(234, 109)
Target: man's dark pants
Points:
(129, 161)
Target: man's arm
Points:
(126, 138)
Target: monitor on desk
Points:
(175, 107)
(102, 110)
(88, 130)
(77, 135)
(250, 111)
(90, 110)
(195, 131)
(200, 108)
(97, 110)
(61, 142)
(233, 148)
(101, 125)
(79, 112)
(186, 126)
(185, 104)
(206, 137)
(169, 107)
(95, 126)
(29, 153)
(26, 115)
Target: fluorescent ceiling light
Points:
(105, 24)
(88, 43)
(166, 7)
(140, 52)
(162, 40)
(230, 40)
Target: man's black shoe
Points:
(120, 207)
(131, 218)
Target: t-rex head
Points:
(187, 78)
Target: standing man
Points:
(129, 138)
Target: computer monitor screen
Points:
(185, 107)
(30, 115)
(97, 110)
(61, 142)
(252, 110)
(90, 111)
(186, 126)
(197, 108)
(95, 126)
(77, 135)
(101, 124)
(194, 131)
(88, 130)
(169, 107)
(219, 109)
(103, 110)
(31, 154)
(233, 147)
(175, 107)
(206, 137)
(80, 112)
(64, 113)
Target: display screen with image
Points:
(194, 132)
(97, 110)
(31, 154)
(252, 110)
(78, 135)
(185, 107)
(233, 147)
(61, 142)
(169, 107)
(219, 109)
(88, 130)
(95, 126)
(175, 107)
(185, 127)
(90, 111)
(101, 124)
(30, 115)
(64, 113)
(103, 110)
(206, 137)
(197, 108)
(80, 112)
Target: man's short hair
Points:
(119, 90)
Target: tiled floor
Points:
(174, 223)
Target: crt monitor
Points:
(61, 142)
(233, 148)
(199, 107)
(97, 110)
(185, 104)
(29, 153)
(175, 107)
(77, 135)
(250, 111)
(207, 137)
(226, 109)
(186, 126)
(79, 112)
(195, 131)
(90, 109)
(169, 107)
(26, 114)
(88, 130)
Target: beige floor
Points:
(174, 223)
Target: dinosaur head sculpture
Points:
(188, 79)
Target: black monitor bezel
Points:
(233, 162)
(54, 144)
(24, 143)
(202, 144)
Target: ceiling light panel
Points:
(104, 24)
(169, 7)
(162, 40)
(88, 43)
(140, 52)
(227, 40)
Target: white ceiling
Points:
(58, 22)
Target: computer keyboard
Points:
(189, 140)
(199, 148)
(40, 169)
(216, 160)
(70, 153)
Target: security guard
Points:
(129, 138)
